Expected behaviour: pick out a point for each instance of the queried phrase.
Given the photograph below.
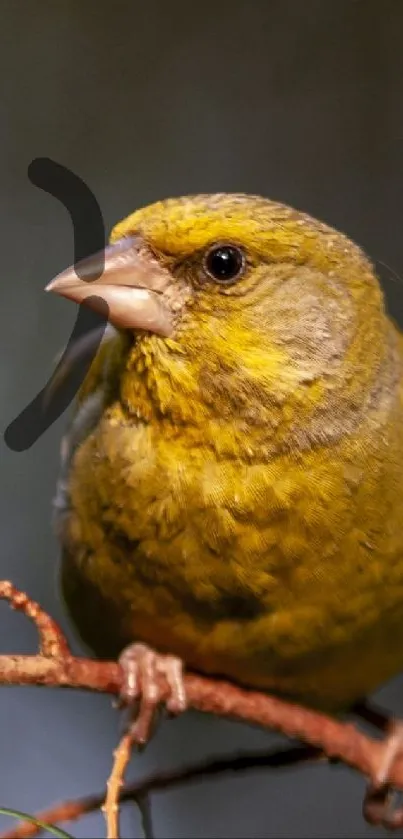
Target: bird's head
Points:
(238, 304)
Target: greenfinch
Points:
(231, 481)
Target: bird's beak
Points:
(127, 279)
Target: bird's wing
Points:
(94, 394)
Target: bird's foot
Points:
(379, 803)
(150, 678)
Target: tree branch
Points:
(55, 666)
(68, 811)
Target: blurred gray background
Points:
(300, 100)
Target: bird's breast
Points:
(237, 567)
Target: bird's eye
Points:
(224, 263)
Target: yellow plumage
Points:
(233, 490)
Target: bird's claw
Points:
(380, 799)
(151, 678)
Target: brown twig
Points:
(55, 666)
(69, 811)
(336, 738)
(121, 759)
(52, 643)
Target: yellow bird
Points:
(232, 480)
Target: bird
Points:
(231, 477)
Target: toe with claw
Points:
(151, 678)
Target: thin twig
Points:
(69, 811)
(114, 785)
(52, 643)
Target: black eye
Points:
(224, 263)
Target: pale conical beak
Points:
(125, 277)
